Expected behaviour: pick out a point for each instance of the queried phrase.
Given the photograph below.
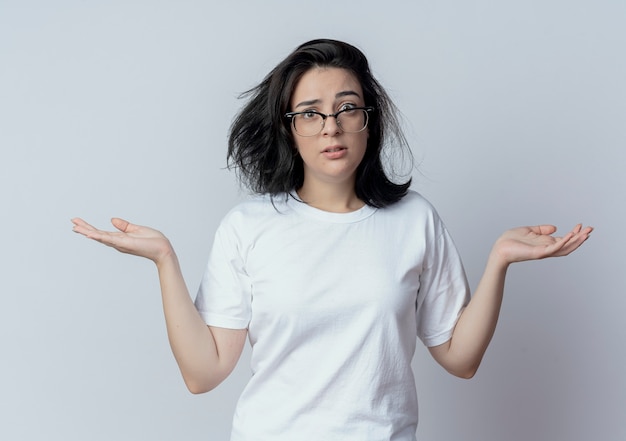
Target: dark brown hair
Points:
(261, 145)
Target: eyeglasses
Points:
(311, 122)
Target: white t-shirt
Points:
(332, 303)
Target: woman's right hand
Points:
(130, 239)
(205, 354)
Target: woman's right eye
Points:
(308, 115)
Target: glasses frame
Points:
(291, 116)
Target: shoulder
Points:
(413, 204)
(255, 210)
(254, 219)
(414, 198)
(413, 213)
(254, 204)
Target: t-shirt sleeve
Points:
(224, 296)
(443, 291)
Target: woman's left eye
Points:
(347, 106)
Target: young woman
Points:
(332, 269)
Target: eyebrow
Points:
(338, 95)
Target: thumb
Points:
(546, 229)
(120, 224)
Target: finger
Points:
(583, 234)
(577, 228)
(559, 245)
(579, 235)
(556, 247)
(78, 222)
(545, 230)
(586, 231)
(572, 241)
(82, 227)
(111, 239)
(570, 247)
(91, 232)
(122, 225)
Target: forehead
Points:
(324, 83)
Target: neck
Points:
(330, 197)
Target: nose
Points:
(331, 127)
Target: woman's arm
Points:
(205, 355)
(462, 354)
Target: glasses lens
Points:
(311, 123)
(352, 120)
(308, 124)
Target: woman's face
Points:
(332, 156)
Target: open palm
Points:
(130, 239)
(530, 243)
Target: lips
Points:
(334, 152)
(333, 149)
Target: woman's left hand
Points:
(531, 243)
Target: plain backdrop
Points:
(515, 112)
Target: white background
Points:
(515, 111)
